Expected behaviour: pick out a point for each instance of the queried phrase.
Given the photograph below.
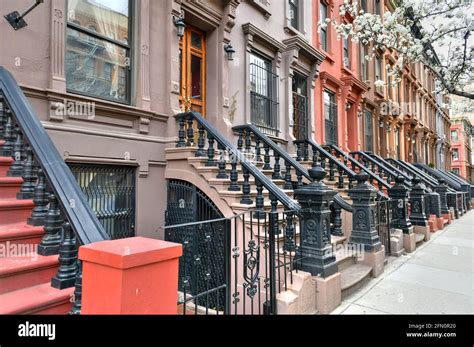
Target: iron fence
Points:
(383, 216)
(259, 256)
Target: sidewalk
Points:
(437, 278)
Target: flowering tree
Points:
(414, 30)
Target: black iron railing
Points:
(359, 168)
(383, 217)
(228, 153)
(60, 204)
(252, 140)
(377, 167)
(309, 150)
(256, 263)
(378, 158)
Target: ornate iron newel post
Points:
(435, 204)
(315, 251)
(399, 195)
(441, 189)
(417, 201)
(363, 215)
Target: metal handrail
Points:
(375, 162)
(361, 167)
(244, 162)
(392, 167)
(429, 181)
(78, 212)
(287, 158)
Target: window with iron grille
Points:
(300, 112)
(98, 50)
(323, 14)
(294, 13)
(263, 95)
(330, 117)
(110, 191)
(368, 131)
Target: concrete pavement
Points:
(437, 278)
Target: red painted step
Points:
(17, 272)
(15, 211)
(21, 233)
(9, 187)
(39, 299)
(5, 163)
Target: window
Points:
(294, 13)
(363, 5)
(330, 117)
(110, 191)
(455, 154)
(454, 136)
(364, 66)
(263, 94)
(377, 7)
(456, 171)
(300, 108)
(323, 14)
(397, 141)
(368, 131)
(347, 55)
(389, 87)
(98, 53)
(378, 72)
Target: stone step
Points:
(20, 234)
(5, 163)
(354, 277)
(9, 187)
(419, 238)
(15, 211)
(41, 298)
(17, 272)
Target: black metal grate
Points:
(201, 268)
(383, 216)
(110, 191)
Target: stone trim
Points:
(262, 6)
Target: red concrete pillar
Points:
(130, 276)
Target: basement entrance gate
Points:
(202, 266)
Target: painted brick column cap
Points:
(129, 252)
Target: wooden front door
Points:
(192, 54)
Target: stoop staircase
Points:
(44, 216)
(25, 281)
(264, 178)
